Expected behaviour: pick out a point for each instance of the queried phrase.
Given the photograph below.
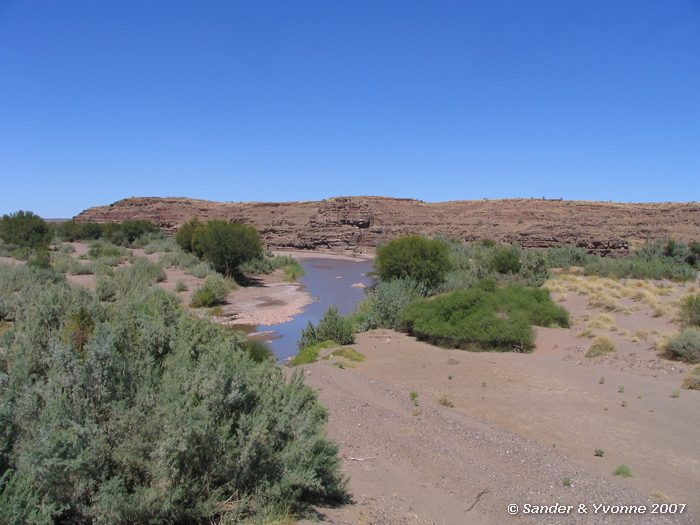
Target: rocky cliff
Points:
(344, 223)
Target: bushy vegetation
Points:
(268, 263)
(685, 346)
(223, 244)
(690, 310)
(639, 268)
(24, 229)
(212, 293)
(309, 354)
(331, 327)
(425, 261)
(384, 303)
(137, 412)
(124, 233)
(484, 317)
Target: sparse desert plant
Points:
(212, 293)
(587, 333)
(445, 401)
(676, 393)
(603, 321)
(684, 346)
(623, 404)
(567, 482)
(180, 286)
(599, 452)
(348, 353)
(601, 381)
(602, 345)
(200, 270)
(621, 389)
(692, 380)
(623, 471)
(413, 396)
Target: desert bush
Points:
(226, 245)
(185, 235)
(258, 351)
(505, 260)
(384, 303)
(640, 268)
(180, 286)
(566, 256)
(41, 258)
(425, 261)
(692, 380)
(213, 292)
(690, 310)
(120, 413)
(484, 317)
(179, 259)
(684, 346)
(159, 245)
(25, 229)
(331, 327)
(200, 270)
(98, 249)
(602, 345)
(335, 327)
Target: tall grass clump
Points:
(639, 268)
(138, 412)
(602, 345)
(485, 317)
(690, 310)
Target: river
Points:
(329, 282)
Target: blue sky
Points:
(300, 100)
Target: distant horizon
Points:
(273, 101)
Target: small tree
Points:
(26, 229)
(185, 235)
(226, 245)
(414, 257)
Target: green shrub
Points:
(258, 351)
(506, 260)
(200, 270)
(335, 327)
(690, 310)
(160, 418)
(623, 471)
(601, 345)
(180, 287)
(639, 268)
(483, 317)
(159, 245)
(308, 336)
(40, 258)
(293, 271)
(566, 256)
(25, 229)
(413, 257)
(185, 235)
(685, 346)
(309, 354)
(213, 292)
(98, 249)
(384, 304)
(133, 229)
(179, 259)
(226, 245)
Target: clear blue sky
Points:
(299, 100)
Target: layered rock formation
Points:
(347, 223)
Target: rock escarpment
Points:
(360, 223)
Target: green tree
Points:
(185, 235)
(414, 257)
(226, 245)
(24, 228)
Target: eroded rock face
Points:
(346, 223)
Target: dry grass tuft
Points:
(602, 345)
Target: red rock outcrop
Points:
(344, 223)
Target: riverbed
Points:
(338, 282)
